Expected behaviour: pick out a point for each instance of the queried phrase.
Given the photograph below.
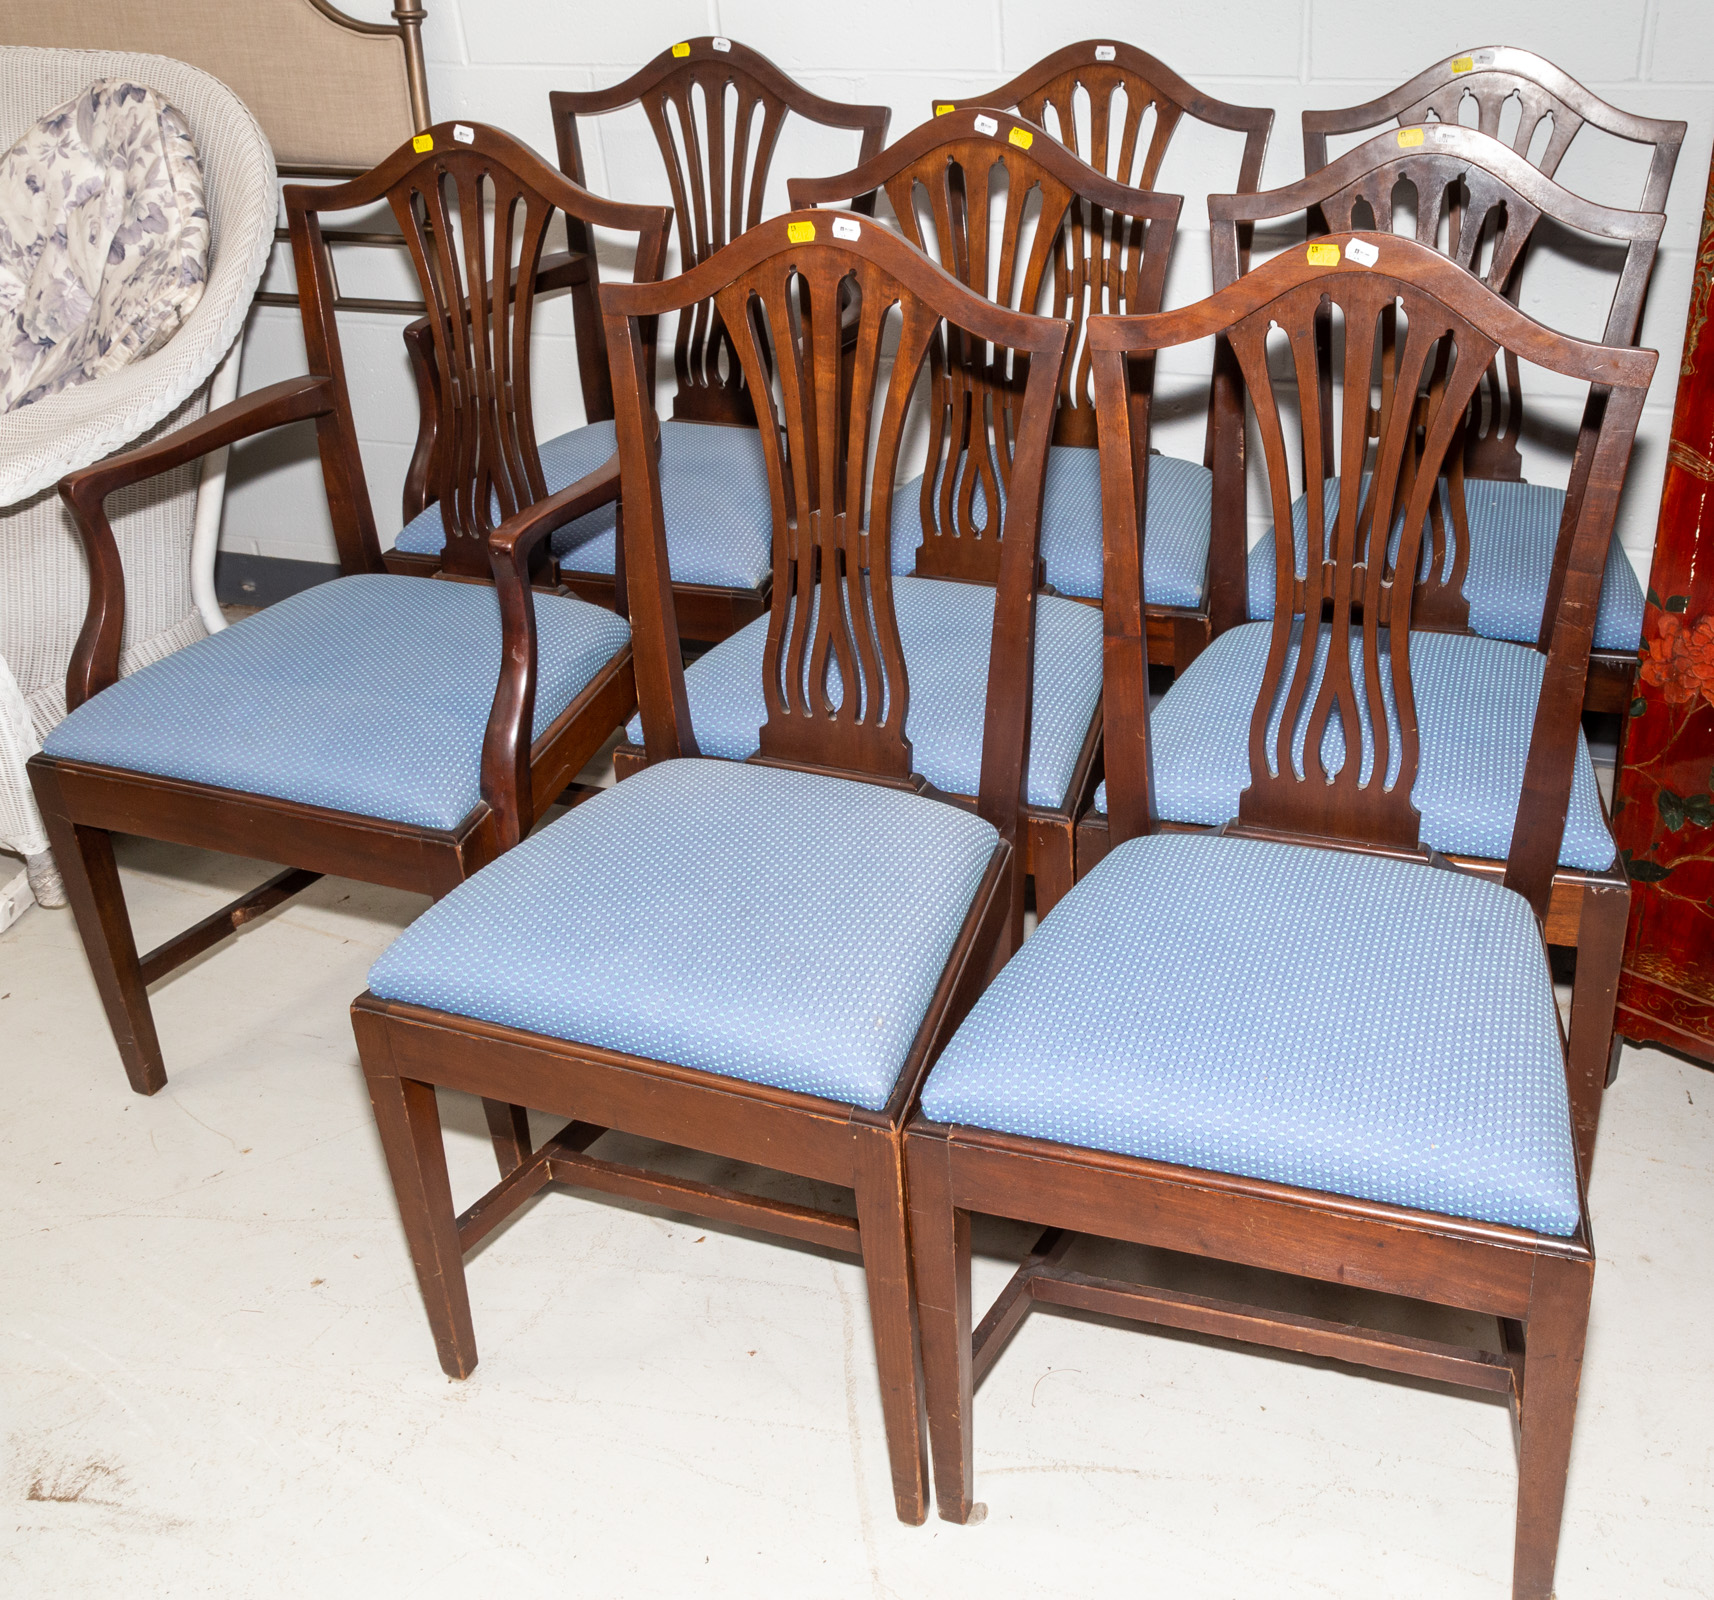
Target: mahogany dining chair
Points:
(756, 959)
(396, 729)
(1305, 1043)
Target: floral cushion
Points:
(103, 239)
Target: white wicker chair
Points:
(44, 585)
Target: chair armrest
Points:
(506, 780)
(95, 661)
(294, 400)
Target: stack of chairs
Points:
(1297, 819)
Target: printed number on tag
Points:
(987, 125)
(944, 107)
(1105, 52)
(1409, 138)
(463, 134)
(1362, 252)
(722, 45)
(800, 232)
(1463, 64)
(845, 228)
(1324, 255)
(422, 143)
(1483, 58)
(1021, 137)
(682, 49)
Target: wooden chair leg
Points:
(1052, 866)
(509, 1129)
(1594, 994)
(409, 1124)
(884, 1229)
(85, 859)
(940, 1256)
(1553, 1364)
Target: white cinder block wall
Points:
(496, 60)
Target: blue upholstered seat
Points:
(714, 497)
(1513, 529)
(1175, 554)
(1338, 1022)
(368, 694)
(1475, 706)
(781, 927)
(946, 630)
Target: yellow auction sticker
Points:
(681, 49)
(422, 143)
(1409, 138)
(1021, 137)
(1324, 255)
(1463, 63)
(800, 232)
(942, 109)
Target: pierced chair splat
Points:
(1120, 109)
(399, 730)
(1488, 553)
(952, 186)
(717, 110)
(1304, 1044)
(858, 914)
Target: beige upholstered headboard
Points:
(331, 93)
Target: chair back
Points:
(1341, 635)
(1553, 107)
(1096, 97)
(473, 205)
(1490, 200)
(716, 108)
(1490, 77)
(832, 317)
(1071, 242)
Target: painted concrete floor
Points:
(216, 1377)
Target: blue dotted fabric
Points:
(1337, 1022)
(714, 497)
(946, 630)
(781, 927)
(369, 694)
(1175, 552)
(1513, 529)
(1475, 707)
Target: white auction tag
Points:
(463, 133)
(846, 228)
(987, 125)
(722, 45)
(1362, 252)
(1105, 52)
